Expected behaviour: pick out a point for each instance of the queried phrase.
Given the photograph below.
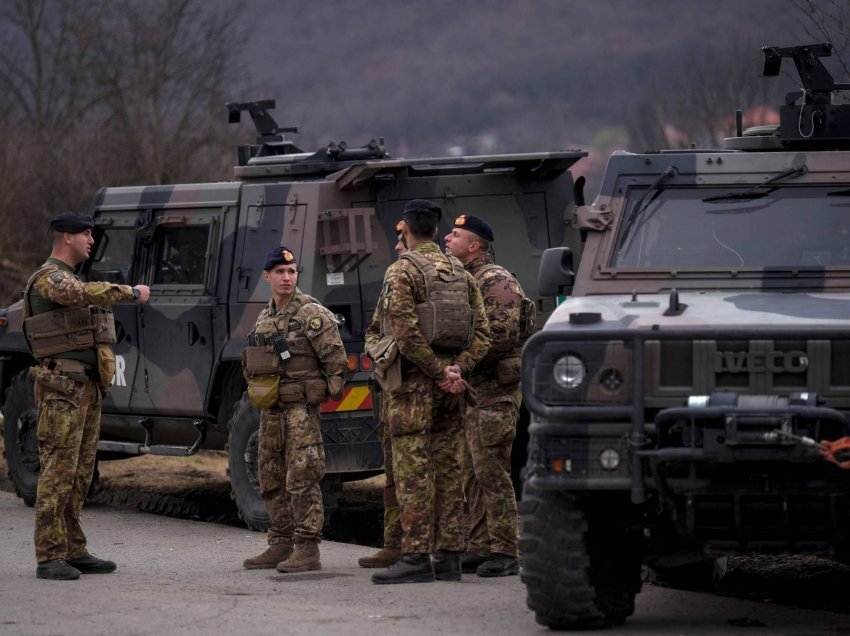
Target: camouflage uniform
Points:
(291, 455)
(491, 426)
(68, 418)
(392, 511)
(424, 421)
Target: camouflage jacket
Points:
(502, 296)
(404, 287)
(310, 330)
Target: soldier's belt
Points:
(74, 369)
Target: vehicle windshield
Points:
(789, 227)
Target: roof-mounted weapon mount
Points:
(816, 122)
(272, 147)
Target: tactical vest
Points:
(445, 317)
(65, 329)
(528, 309)
(261, 356)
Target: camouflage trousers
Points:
(291, 464)
(392, 511)
(427, 445)
(487, 486)
(68, 430)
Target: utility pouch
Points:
(104, 326)
(262, 361)
(263, 390)
(292, 392)
(105, 366)
(508, 371)
(315, 391)
(387, 360)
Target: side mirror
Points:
(556, 277)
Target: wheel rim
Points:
(252, 449)
(27, 440)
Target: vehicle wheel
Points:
(20, 440)
(581, 560)
(242, 456)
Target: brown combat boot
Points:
(304, 557)
(383, 558)
(273, 555)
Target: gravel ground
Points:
(197, 488)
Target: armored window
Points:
(736, 227)
(112, 256)
(182, 256)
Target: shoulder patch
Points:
(315, 323)
(57, 277)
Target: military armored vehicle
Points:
(178, 386)
(690, 398)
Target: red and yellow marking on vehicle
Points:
(356, 398)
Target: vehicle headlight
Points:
(569, 371)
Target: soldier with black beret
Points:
(295, 360)
(69, 330)
(491, 426)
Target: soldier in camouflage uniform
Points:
(424, 415)
(491, 427)
(291, 455)
(391, 552)
(76, 368)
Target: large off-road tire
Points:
(19, 432)
(242, 464)
(242, 467)
(581, 560)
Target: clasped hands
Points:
(452, 381)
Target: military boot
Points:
(383, 558)
(414, 567)
(57, 570)
(499, 565)
(469, 562)
(274, 554)
(90, 564)
(304, 557)
(446, 565)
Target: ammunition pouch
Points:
(315, 391)
(300, 367)
(292, 392)
(68, 329)
(263, 360)
(263, 390)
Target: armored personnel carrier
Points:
(178, 386)
(690, 398)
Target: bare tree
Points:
(108, 92)
(827, 21)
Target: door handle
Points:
(194, 334)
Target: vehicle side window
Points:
(112, 256)
(181, 256)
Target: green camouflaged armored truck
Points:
(178, 385)
(689, 399)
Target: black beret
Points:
(71, 222)
(279, 255)
(476, 225)
(419, 206)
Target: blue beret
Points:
(423, 206)
(279, 255)
(71, 222)
(475, 225)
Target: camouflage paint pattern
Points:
(491, 425)
(426, 423)
(291, 454)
